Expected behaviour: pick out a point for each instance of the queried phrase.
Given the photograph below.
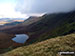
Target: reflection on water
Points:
(20, 38)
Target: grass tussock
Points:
(49, 47)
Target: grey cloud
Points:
(45, 6)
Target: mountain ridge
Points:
(43, 28)
(49, 24)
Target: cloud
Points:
(45, 6)
(7, 10)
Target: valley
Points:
(56, 28)
(37, 27)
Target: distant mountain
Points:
(20, 25)
(12, 23)
(6, 19)
(45, 27)
(18, 18)
(9, 20)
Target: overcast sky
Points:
(26, 8)
(45, 6)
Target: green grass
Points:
(49, 47)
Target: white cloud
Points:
(7, 10)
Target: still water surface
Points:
(20, 38)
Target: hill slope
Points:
(52, 25)
(5, 41)
(49, 47)
(19, 27)
(45, 27)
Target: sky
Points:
(7, 9)
(26, 8)
(45, 6)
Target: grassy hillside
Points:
(31, 20)
(45, 27)
(18, 27)
(49, 47)
(52, 25)
(5, 41)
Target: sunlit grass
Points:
(49, 47)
